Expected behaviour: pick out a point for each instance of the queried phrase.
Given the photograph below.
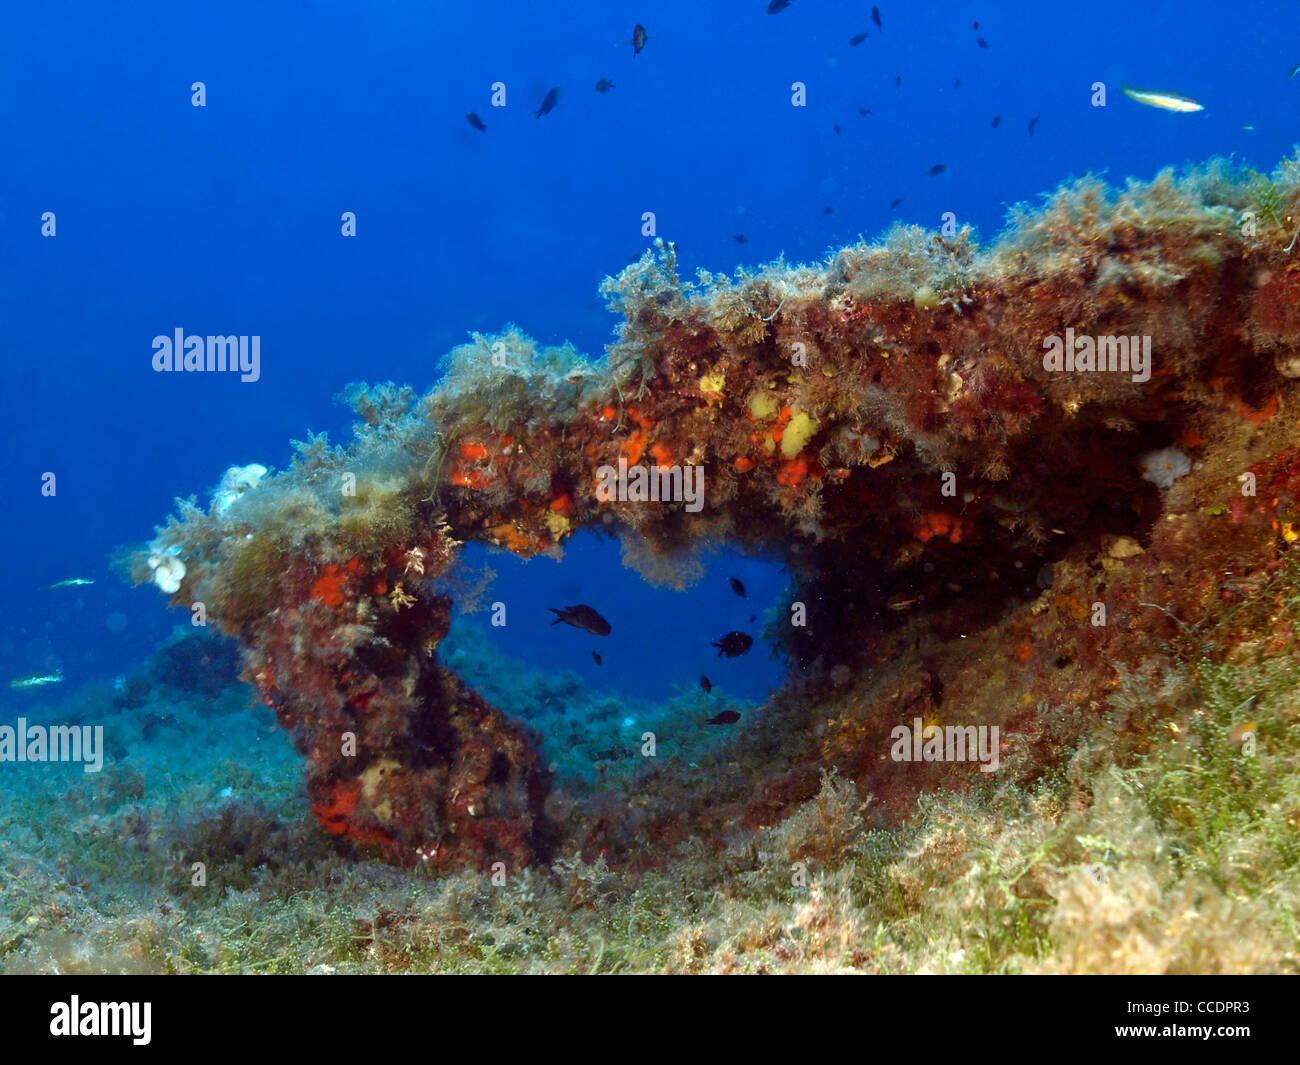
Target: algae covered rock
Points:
(915, 460)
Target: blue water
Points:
(225, 220)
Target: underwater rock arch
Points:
(907, 420)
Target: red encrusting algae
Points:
(884, 423)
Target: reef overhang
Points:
(917, 426)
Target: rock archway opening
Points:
(924, 432)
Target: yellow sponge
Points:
(763, 405)
(800, 430)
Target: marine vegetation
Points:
(1093, 555)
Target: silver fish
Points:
(1166, 101)
(37, 680)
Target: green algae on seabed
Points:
(1183, 860)
(1136, 833)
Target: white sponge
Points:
(1162, 468)
(168, 570)
(237, 481)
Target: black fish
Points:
(582, 617)
(548, 104)
(738, 588)
(740, 238)
(726, 717)
(828, 210)
(975, 26)
(936, 170)
(604, 85)
(475, 121)
(996, 120)
(898, 81)
(857, 39)
(734, 644)
(836, 127)
(956, 83)
(638, 40)
(777, 6)
(1032, 123)
(864, 111)
(705, 683)
(753, 618)
(596, 658)
(981, 42)
(875, 17)
(896, 203)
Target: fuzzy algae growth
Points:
(1180, 857)
(941, 499)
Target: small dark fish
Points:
(936, 170)
(753, 618)
(738, 588)
(705, 683)
(548, 104)
(1032, 123)
(836, 127)
(604, 85)
(981, 42)
(898, 81)
(596, 658)
(734, 644)
(582, 617)
(828, 210)
(638, 40)
(475, 121)
(777, 6)
(875, 17)
(956, 83)
(864, 111)
(996, 120)
(726, 717)
(740, 238)
(857, 39)
(975, 26)
(896, 203)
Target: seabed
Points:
(1098, 565)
